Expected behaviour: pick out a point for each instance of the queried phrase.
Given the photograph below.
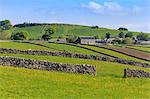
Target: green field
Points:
(113, 53)
(62, 30)
(43, 84)
(108, 83)
(65, 60)
(68, 48)
(23, 46)
(5, 35)
(48, 47)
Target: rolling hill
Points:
(62, 30)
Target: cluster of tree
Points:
(126, 38)
(123, 29)
(125, 35)
(120, 35)
(5, 25)
(142, 36)
(20, 36)
(25, 24)
(95, 27)
(48, 33)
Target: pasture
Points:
(108, 83)
(62, 30)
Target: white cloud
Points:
(111, 8)
(93, 6)
(100, 8)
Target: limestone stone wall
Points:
(44, 65)
(75, 55)
(136, 73)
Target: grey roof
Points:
(86, 37)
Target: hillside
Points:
(62, 30)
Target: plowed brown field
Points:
(132, 52)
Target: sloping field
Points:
(5, 35)
(45, 46)
(97, 50)
(34, 31)
(45, 84)
(113, 53)
(65, 29)
(64, 60)
(23, 46)
(132, 52)
(140, 48)
(69, 48)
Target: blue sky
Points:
(132, 14)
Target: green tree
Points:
(20, 36)
(122, 28)
(142, 36)
(128, 41)
(48, 33)
(5, 25)
(71, 38)
(129, 34)
(117, 41)
(96, 37)
(121, 35)
(46, 37)
(107, 35)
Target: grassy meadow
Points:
(46, 46)
(69, 48)
(62, 30)
(108, 83)
(24, 83)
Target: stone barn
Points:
(89, 40)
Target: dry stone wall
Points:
(136, 73)
(75, 55)
(44, 65)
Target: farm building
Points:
(100, 41)
(144, 42)
(89, 40)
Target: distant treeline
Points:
(30, 24)
(41, 24)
